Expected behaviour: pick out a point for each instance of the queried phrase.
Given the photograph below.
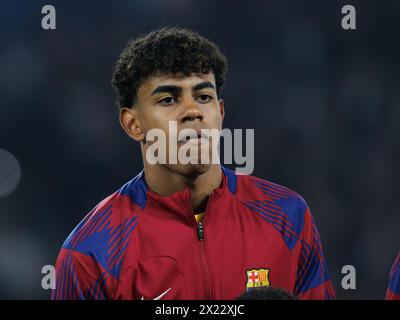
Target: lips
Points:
(191, 134)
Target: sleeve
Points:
(78, 277)
(393, 290)
(313, 281)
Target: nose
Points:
(192, 113)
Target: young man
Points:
(393, 291)
(187, 231)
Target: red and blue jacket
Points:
(136, 244)
(393, 290)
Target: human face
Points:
(191, 101)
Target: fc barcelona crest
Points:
(257, 278)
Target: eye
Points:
(204, 98)
(167, 101)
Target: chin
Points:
(190, 170)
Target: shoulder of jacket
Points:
(105, 231)
(279, 206)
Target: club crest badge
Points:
(257, 278)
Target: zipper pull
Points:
(200, 231)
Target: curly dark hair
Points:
(165, 51)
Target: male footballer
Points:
(182, 230)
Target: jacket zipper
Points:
(205, 267)
(200, 231)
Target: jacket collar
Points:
(140, 193)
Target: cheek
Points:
(160, 120)
(155, 118)
(215, 117)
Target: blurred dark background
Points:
(324, 103)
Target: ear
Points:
(128, 119)
(221, 108)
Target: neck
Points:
(200, 185)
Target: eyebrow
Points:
(167, 88)
(203, 85)
(177, 90)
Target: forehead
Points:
(180, 80)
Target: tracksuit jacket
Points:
(136, 244)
